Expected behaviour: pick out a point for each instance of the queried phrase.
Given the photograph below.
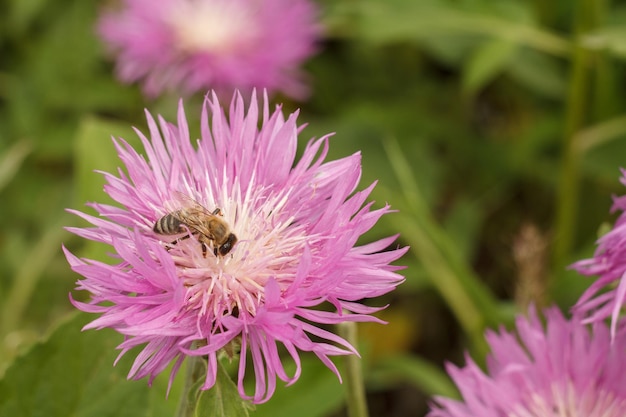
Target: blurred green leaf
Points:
(463, 224)
(489, 60)
(543, 74)
(591, 137)
(567, 286)
(94, 151)
(21, 13)
(11, 161)
(471, 301)
(602, 147)
(610, 38)
(34, 264)
(317, 393)
(399, 20)
(57, 75)
(424, 375)
(72, 374)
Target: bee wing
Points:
(174, 204)
(182, 201)
(191, 212)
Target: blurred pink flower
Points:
(195, 45)
(607, 295)
(295, 263)
(568, 369)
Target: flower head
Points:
(607, 295)
(177, 289)
(567, 369)
(192, 45)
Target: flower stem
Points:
(357, 405)
(576, 107)
(196, 369)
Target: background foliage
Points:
(496, 128)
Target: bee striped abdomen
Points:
(168, 225)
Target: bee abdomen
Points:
(168, 225)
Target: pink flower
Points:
(607, 295)
(567, 369)
(294, 264)
(194, 45)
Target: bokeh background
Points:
(496, 129)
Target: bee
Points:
(209, 228)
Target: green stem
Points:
(357, 405)
(196, 369)
(576, 108)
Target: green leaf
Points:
(317, 393)
(11, 161)
(609, 38)
(463, 225)
(600, 134)
(393, 21)
(486, 63)
(429, 378)
(94, 150)
(72, 374)
(222, 400)
(25, 284)
(469, 298)
(602, 161)
(22, 13)
(543, 74)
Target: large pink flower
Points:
(568, 369)
(193, 45)
(607, 295)
(295, 263)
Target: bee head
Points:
(227, 246)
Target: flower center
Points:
(212, 26)
(269, 246)
(567, 402)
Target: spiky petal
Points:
(606, 296)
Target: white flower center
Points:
(212, 25)
(567, 402)
(269, 246)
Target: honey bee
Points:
(209, 228)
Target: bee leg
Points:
(181, 238)
(217, 211)
(215, 251)
(204, 249)
(173, 242)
